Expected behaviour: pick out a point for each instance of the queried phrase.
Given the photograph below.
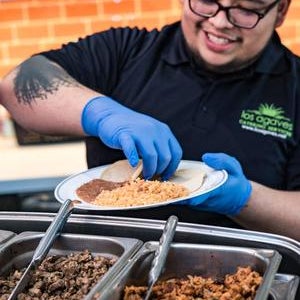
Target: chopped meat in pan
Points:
(60, 277)
(241, 285)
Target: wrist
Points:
(243, 200)
(94, 111)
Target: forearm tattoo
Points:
(37, 77)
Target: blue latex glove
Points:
(136, 134)
(232, 196)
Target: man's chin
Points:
(216, 65)
(221, 67)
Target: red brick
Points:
(151, 5)
(295, 48)
(104, 25)
(36, 30)
(287, 31)
(44, 12)
(144, 22)
(81, 9)
(171, 19)
(5, 34)
(51, 45)
(22, 51)
(118, 7)
(3, 54)
(294, 12)
(10, 14)
(70, 29)
(57, 43)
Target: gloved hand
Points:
(229, 198)
(136, 134)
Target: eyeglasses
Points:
(236, 15)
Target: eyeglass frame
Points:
(226, 9)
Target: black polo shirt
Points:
(252, 115)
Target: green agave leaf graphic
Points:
(270, 110)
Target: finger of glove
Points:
(166, 155)
(176, 155)
(222, 161)
(163, 158)
(149, 155)
(129, 148)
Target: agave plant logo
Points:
(268, 120)
(270, 110)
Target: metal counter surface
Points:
(148, 229)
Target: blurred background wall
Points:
(30, 26)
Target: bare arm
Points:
(273, 211)
(42, 97)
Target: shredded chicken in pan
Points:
(241, 285)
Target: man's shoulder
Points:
(288, 53)
(295, 57)
(133, 33)
(277, 58)
(293, 60)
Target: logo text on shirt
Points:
(268, 120)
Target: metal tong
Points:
(44, 245)
(161, 253)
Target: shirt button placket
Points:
(205, 118)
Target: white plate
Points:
(67, 188)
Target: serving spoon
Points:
(161, 253)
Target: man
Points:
(222, 82)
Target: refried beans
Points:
(90, 190)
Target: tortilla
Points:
(120, 171)
(192, 179)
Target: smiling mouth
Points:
(219, 40)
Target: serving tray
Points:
(150, 230)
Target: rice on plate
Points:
(141, 192)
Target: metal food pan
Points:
(5, 235)
(17, 252)
(284, 287)
(193, 259)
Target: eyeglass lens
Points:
(237, 16)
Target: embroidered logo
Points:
(267, 120)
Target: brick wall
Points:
(30, 26)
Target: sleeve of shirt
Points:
(96, 61)
(293, 171)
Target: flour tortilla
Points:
(192, 179)
(120, 171)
